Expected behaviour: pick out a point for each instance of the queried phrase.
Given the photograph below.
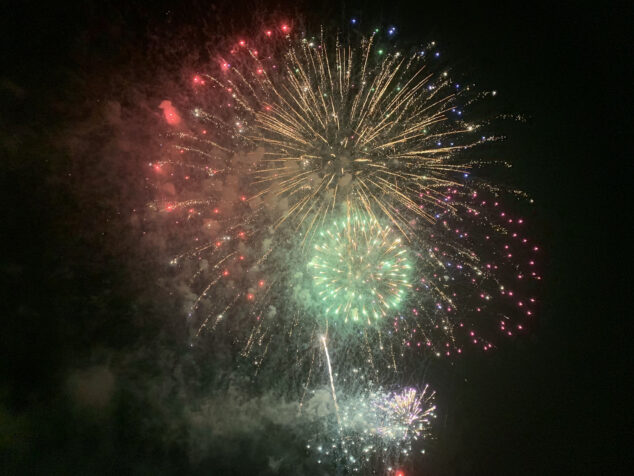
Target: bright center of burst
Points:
(334, 163)
(360, 269)
(339, 165)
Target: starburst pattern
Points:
(360, 269)
(343, 124)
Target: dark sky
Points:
(73, 302)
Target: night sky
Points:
(95, 362)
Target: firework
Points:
(376, 427)
(360, 269)
(322, 199)
(344, 124)
(316, 185)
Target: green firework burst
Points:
(360, 269)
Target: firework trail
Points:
(332, 383)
